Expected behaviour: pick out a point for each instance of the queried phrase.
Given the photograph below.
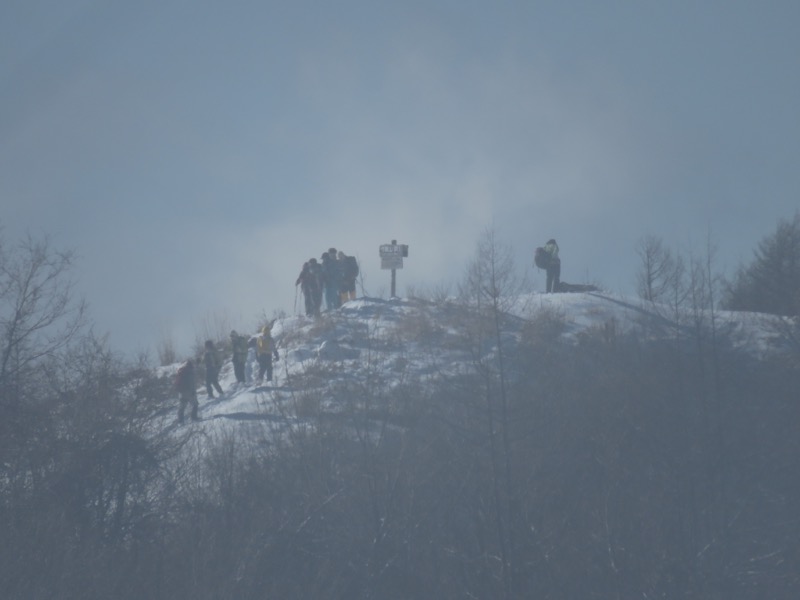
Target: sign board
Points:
(392, 262)
(389, 250)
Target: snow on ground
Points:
(388, 343)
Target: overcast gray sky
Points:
(196, 153)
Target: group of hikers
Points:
(334, 277)
(259, 349)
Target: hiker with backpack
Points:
(331, 276)
(546, 257)
(213, 365)
(315, 270)
(187, 390)
(310, 282)
(239, 352)
(349, 268)
(265, 351)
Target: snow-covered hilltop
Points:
(388, 344)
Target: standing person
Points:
(252, 351)
(266, 350)
(187, 390)
(337, 272)
(309, 282)
(239, 351)
(302, 281)
(330, 275)
(553, 266)
(349, 268)
(315, 270)
(213, 365)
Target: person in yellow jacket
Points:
(265, 351)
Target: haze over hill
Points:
(227, 143)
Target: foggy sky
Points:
(195, 154)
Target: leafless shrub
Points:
(438, 293)
(167, 354)
(544, 326)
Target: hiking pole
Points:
(295, 300)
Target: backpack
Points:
(541, 258)
(239, 347)
(264, 342)
(183, 378)
(351, 267)
(211, 359)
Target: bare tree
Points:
(658, 269)
(39, 314)
(490, 288)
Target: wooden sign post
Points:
(392, 258)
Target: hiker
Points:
(239, 351)
(331, 278)
(252, 351)
(266, 350)
(553, 267)
(303, 281)
(187, 390)
(213, 365)
(315, 270)
(309, 281)
(349, 268)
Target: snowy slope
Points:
(389, 343)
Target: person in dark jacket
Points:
(266, 350)
(310, 284)
(331, 276)
(186, 387)
(213, 365)
(553, 266)
(303, 281)
(315, 270)
(349, 270)
(239, 352)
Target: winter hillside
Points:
(548, 446)
(388, 345)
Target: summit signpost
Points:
(392, 258)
